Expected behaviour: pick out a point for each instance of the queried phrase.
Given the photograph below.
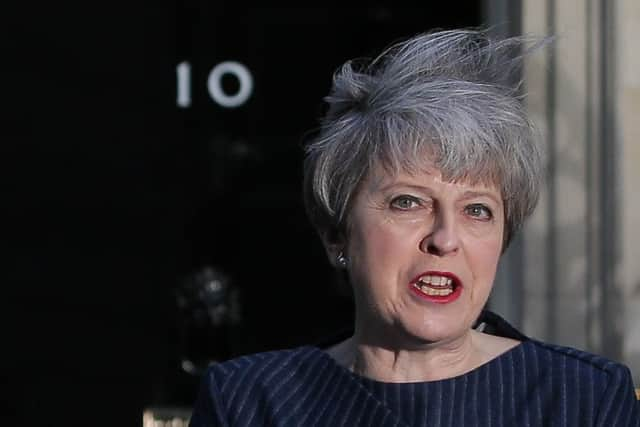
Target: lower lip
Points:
(438, 299)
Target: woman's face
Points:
(422, 256)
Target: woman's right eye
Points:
(405, 202)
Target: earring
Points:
(342, 260)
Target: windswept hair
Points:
(451, 98)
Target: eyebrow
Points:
(416, 187)
(469, 194)
(403, 184)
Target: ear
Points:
(334, 243)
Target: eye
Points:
(405, 202)
(479, 211)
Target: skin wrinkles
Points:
(401, 226)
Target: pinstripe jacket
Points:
(533, 384)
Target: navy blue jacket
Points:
(533, 384)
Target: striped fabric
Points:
(534, 384)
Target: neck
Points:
(430, 362)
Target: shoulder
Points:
(567, 365)
(584, 362)
(593, 386)
(251, 387)
(263, 365)
(545, 356)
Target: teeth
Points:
(435, 292)
(438, 281)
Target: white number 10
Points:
(214, 86)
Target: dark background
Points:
(116, 196)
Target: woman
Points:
(424, 168)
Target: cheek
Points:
(378, 251)
(485, 243)
(485, 257)
(369, 247)
(381, 243)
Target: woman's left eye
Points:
(479, 211)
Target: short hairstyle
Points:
(453, 96)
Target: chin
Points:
(435, 329)
(439, 336)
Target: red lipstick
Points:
(430, 286)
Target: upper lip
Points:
(456, 280)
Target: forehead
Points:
(428, 176)
(452, 162)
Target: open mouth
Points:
(437, 286)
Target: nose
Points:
(443, 238)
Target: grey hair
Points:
(453, 96)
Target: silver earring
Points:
(342, 260)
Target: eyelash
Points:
(488, 215)
(405, 198)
